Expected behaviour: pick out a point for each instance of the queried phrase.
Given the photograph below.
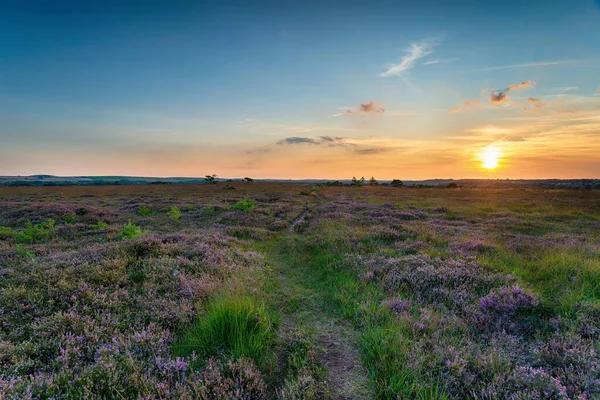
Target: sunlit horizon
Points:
(301, 91)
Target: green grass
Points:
(382, 344)
(232, 327)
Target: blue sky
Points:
(190, 88)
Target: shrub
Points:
(144, 211)
(70, 218)
(130, 231)
(397, 183)
(500, 307)
(209, 210)
(396, 305)
(37, 232)
(6, 233)
(174, 213)
(99, 225)
(246, 205)
(20, 250)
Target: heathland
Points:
(299, 291)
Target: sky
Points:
(313, 89)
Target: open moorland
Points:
(299, 291)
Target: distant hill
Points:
(51, 180)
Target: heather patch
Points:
(101, 319)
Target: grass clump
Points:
(130, 231)
(231, 326)
(245, 205)
(174, 214)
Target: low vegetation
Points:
(299, 292)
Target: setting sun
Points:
(489, 156)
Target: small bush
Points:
(70, 218)
(99, 225)
(174, 213)
(35, 233)
(246, 205)
(20, 250)
(6, 233)
(144, 211)
(209, 210)
(130, 231)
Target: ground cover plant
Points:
(294, 291)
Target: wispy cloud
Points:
(356, 146)
(536, 103)
(415, 52)
(327, 140)
(297, 140)
(438, 61)
(533, 64)
(564, 89)
(522, 85)
(501, 96)
(466, 106)
(369, 108)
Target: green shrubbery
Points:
(99, 225)
(35, 232)
(144, 211)
(130, 231)
(174, 213)
(246, 205)
(6, 233)
(70, 218)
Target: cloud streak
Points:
(415, 52)
(533, 64)
(370, 108)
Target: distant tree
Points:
(397, 183)
(356, 182)
(211, 178)
(452, 185)
(248, 180)
(372, 181)
(334, 183)
(362, 180)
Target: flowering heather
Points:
(101, 319)
(396, 305)
(433, 293)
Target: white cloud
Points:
(533, 64)
(415, 52)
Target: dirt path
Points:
(347, 377)
(298, 221)
(304, 306)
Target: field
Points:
(299, 291)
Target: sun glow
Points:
(489, 156)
